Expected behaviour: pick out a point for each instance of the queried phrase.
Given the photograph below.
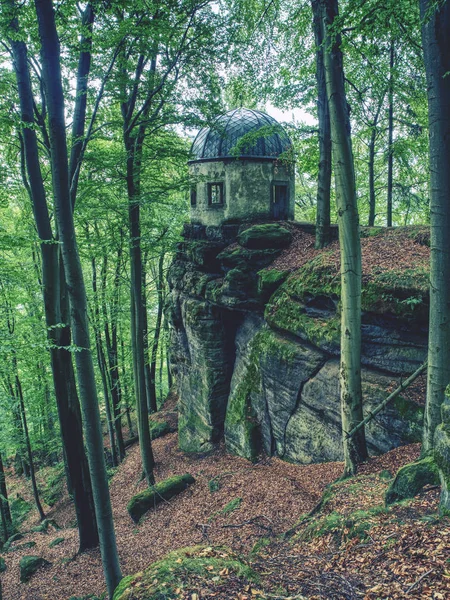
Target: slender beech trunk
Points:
(149, 389)
(169, 372)
(157, 334)
(51, 74)
(102, 365)
(390, 134)
(436, 44)
(355, 449)
(324, 176)
(133, 146)
(372, 195)
(111, 348)
(125, 390)
(56, 310)
(19, 396)
(138, 344)
(372, 142)
(4, 503)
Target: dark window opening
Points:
(215, 194)
(194, 195)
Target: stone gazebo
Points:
(242, 169)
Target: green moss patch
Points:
(355, 525)
(2, 564)
(29, 565)
(158, 429)
(288, 315)
(269, 280)
(412, 414)
(185, 572)
(267, 235)
(412, 478)
(402, 292)
(56, 542)
(244, 258)
(162, 491)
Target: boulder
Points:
(29, 565)
(265, 235)
(411, 478)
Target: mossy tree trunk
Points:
(436, 44)
(355, 449)
(51, 76)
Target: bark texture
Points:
(51, 72)
(355, 449)
(436, 44)
(324, 176)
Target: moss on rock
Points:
(29, 565)
(184, 572)
(411, 478)
(288, 315)
(269, 280)
(158, 429)
(11, 540)
(164, 490)
(266, 235)
(244, 258)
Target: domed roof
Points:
(241, 133)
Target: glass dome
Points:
(241, 133)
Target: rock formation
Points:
(255, 342)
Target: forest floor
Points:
(352, 548)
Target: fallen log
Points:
(154, 495)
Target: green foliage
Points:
(56, 542)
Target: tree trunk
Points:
(372, 196)
(436, 44)
(149, 388)
(390, 135)
(4, 503)
(137, 316)
(54, 290)
(355, 450)
(112, 351)
(102, 366)
(324, 176)
(51, 73)
(19, 396)
(125, 390)
(157, 334)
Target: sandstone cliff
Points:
(255, 338)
